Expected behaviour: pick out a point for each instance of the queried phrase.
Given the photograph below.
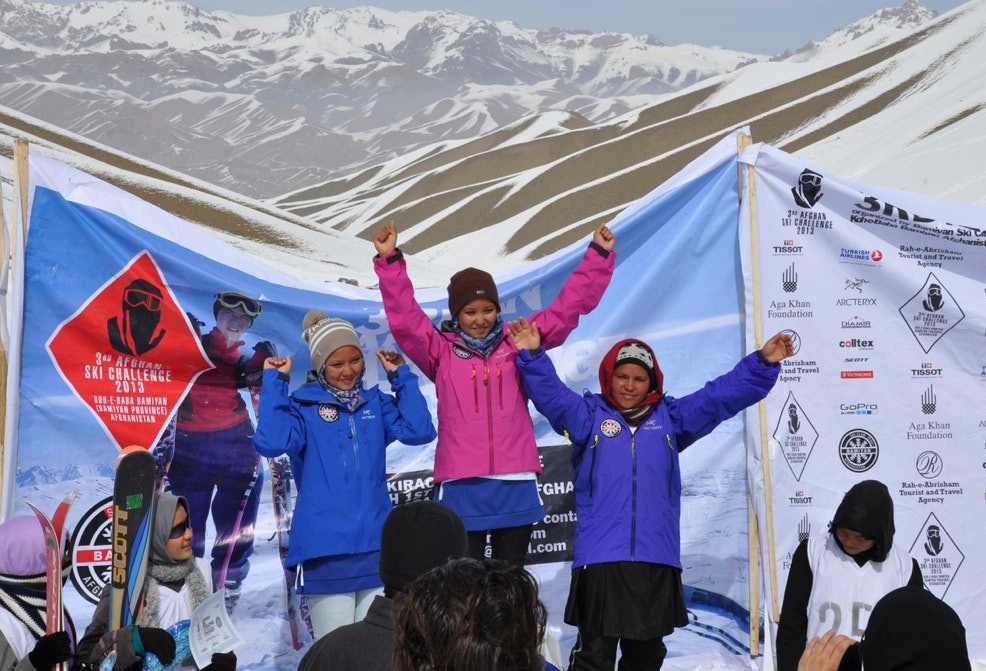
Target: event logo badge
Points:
(130, 354)
(931, 313)
(462, 352)
(91, 550)
(938, 556)
(808, 191)
(796, 435)
(610, 428)
(328, 412)
(858, 450)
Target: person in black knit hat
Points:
(416, 537)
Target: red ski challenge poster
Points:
(130, 354)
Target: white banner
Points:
(884, 293)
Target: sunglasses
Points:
(179, 530)
(232, 300)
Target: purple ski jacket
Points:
(484, 426)
(628, 485)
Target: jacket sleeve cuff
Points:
(394, 256)
(762, 359)
(602, 252)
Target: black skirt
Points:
(634, 600)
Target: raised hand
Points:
(281, 363)
(390, 360)
(524, 334)
(778, 348)
(604, 237)
(385, 240)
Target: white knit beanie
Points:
(325, 334)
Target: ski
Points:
(133, 516)
(280, 487)
(52, 529)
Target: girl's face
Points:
(180, 541)
(343, 367)
(630, 385)
(853, 542)
(233, 323)
(478, 317)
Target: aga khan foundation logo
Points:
(130, 354)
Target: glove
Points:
(50, 650)
(265, 348)
(222, 661)
(159, 642)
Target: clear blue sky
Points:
(759, 26)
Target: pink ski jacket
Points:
(484, 426)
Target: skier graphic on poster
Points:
(214, 465)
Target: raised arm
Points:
(567, 412)
(581, 292)
(280, 429)
(412, 329)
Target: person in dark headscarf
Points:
(911, 629)
(176, 584)
(836, 579)
(626, 588)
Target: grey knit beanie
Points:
(325, 334)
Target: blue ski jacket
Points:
(628, 484)
(342, 496)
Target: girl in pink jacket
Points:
(486, 460)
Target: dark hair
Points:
(469, 614)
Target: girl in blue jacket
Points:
(337, 431)
(626, 574)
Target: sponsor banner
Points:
(885, 295)
(118, 293)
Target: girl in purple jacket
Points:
(486, 460)
(626, 575)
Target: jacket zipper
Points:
(670, 470)
(592, 464)
(489, 410)
(633, 499)
(475, 390)
(352, 434)
(499, 382)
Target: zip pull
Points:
(486, 374)
(667, 437)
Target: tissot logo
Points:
(788, 248)
(927, 369)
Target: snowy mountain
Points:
(898, 106)
(265, 105)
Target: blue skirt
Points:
(490, 503)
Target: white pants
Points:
(331, 611)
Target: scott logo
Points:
(119, 545)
